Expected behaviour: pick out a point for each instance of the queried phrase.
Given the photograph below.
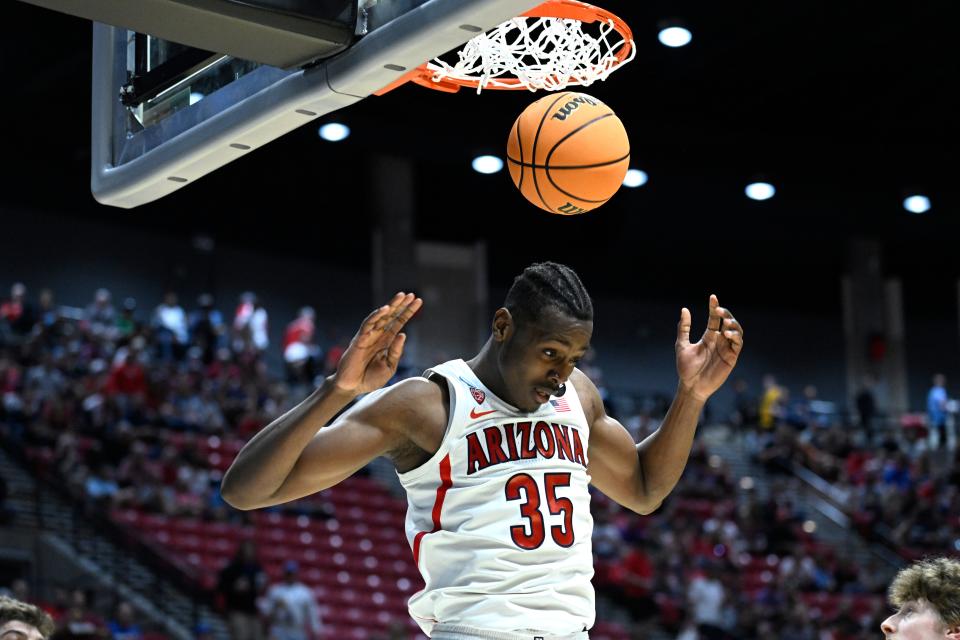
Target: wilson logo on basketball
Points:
(570, 209)
(572, 106)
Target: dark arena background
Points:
(140, 348)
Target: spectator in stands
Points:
(300, 351)
(927, 596)
(170, 325)
(100, 315)
(866, 402)
(771, 404)
(127, 383)
(239, 583)
(744, 415)
(46, 378)
(633, 578)
(937, 411)
(207, 328)
(16, 314)
(124, 626)
(22, 621)
(101, 485)
(79, 619)
(291, 608)
(250, 323)
(706, 597)
(203, 631)
(48, 313)
(127, 323)
(778, 449)
(607, 538)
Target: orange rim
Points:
(565, 9)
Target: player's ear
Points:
(503, 325)
(953, 633)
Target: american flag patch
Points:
(560, 405)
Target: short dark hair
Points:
(548, 284)
(15, 611)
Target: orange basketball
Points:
(568, 153)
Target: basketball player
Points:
(927, 596)
(22, 621)
(496, 454)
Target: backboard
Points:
(165, 115)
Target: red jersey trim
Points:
(445, 483)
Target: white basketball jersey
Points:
(499, 518)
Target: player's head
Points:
(927, 597)
(22, 621)
(542, 330)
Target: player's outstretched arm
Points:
(640, 476)
(292, 456)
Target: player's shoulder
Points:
(582, 383)
(415, 388)
(587, 392)
(408, 403)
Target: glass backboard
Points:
(165, 115)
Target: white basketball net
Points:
(542, 53)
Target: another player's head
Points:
(927, 597)
(543, 329)
(22, 621)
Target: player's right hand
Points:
(374, 353)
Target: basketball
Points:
(568, 153)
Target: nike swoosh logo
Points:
(474, 414)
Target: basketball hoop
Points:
(545, 48)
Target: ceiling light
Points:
(675, 37)
(760, 191)
(917, 204)
(635, 178)
(487, 164)
(334, 131)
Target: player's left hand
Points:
(704, 366)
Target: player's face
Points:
(914, 621)
(538, 357)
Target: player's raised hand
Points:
(704, 366)
(374, 353)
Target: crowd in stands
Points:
(898, 481)
(717, 561)
(144, 410)
(128, 409)
(87, 613)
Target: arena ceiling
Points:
(844, 107)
